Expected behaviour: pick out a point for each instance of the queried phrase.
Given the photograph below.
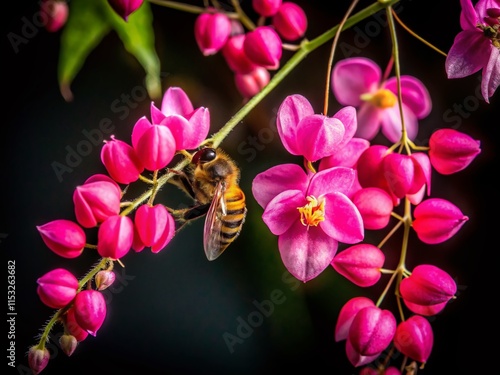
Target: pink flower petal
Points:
(369, 118)
(468, 54)
(491, 75)
(349, 119)
(468, 15)
(180, 128)
(138, 130)
(391, 123)
(319, 136)
(353, 77)
(197, 131)
(343, 221)
(337, 179)
(293, 109)
(281, 212)
(347, 156)
(176, 102)
(270, 183)
(414, 94)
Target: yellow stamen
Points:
(313, 212)
(383, 98)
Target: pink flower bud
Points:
(57, 288)
(104, 279)
(357, 359)
(121, 161)
(115, 236)
(125, 8)
(403, 174)
(436, 220)
(155, 147)
(290, 21)
(252, 83)
(347, 314)
(68, 344)
(375, 206)
(263, 46)
(54, 14)
(95, 201)
(64, 237)
(71, 326)
(155, 226)
(211, 31)
(450, 151)
(360, 264)
(428, 285)
(372, 330)
(99, 177)
(90, 310)
(266, 8)
(414, 338)
(235, 56)
(425, 310)
(38, 359)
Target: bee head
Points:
(204, 155)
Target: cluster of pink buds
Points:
(251, 51)
(99, 206)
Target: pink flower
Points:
(375, 206)
(356, 358)
(303, 132)
(38, 359)
(251, 83)
(72, 327)
(57, 288)
(437, 220)
(425, 310)
(235, 56)
(414, 338)
(263, 46)
(211, 31)
(90, 310)
(403, 174)
(450, 151)
(477, 46)
(357, 82)
(125, 8)
(347, 314)
(360, 264)
(189, 126)
(290, 21)
(54, 14)
(64, 237)
(121, 161)
(266, 8)
(115, 236)
(309, 214)
(155, 226)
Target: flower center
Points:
(383, 98)
(313, 212)
(491, 28)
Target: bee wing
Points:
(213, 224)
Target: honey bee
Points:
(212, 180)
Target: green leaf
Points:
(86, 26)
(88, 23)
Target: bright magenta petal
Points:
(491, 75)
(337, 179)
(139, 128)
(353, 77)
(414, 94)
(282, 212)
(347, 156)
(306, 252)
(319, 136)
(368, 121)
(349, 119)
(181, 130)
(199, 122)
(176, 102)
(391, 123)
(343, 221)
(468, 16)
(293, 109)
(468, 54)
(270, 183)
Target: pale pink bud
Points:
(115, 236)
(211, 31)
(375, 206)
(38, 359)
(64, 237)
(436, 220)
(263, 46)
(252, 83)
(428, 285)
(71, 326)
(414, 338)
(104, 279)
(425, 310)
(266, 8)
(360, 264)
(125, 8)
(450, 151)
(68, 344)
(54, 14)
(155, 226)
(57, 288)
(90, 310)
(121, 161)
(155, 147)
(347, 314)
(290, 21)
(235, 56)
(403, 174)
(95, 201)
(372, 330)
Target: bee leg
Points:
(195, 212)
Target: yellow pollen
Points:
(313, 212)
(383, 98)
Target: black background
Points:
(170, 310)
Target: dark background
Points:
(170, 311)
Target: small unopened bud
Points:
(38, 359)
(68, 344)
(104, 279)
